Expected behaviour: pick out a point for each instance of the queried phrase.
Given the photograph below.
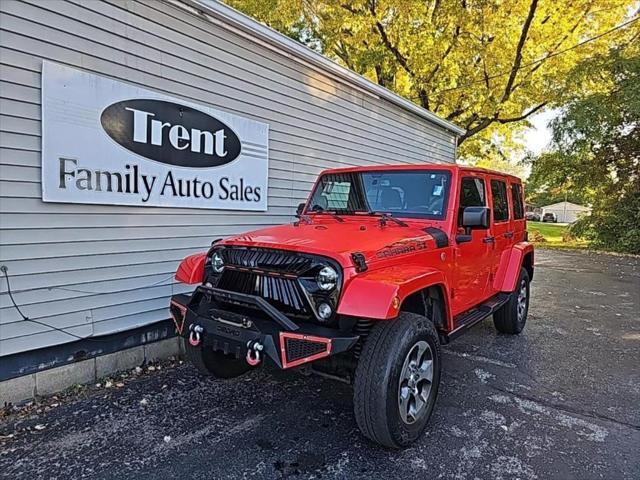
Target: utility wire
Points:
(5, 271)
(154, 284)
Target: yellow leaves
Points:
(455, 57)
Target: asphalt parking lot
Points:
(562, 400)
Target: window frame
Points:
(358, 183)
(504, 182)
(517, 200)
(484, 186)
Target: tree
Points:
(486, 65)
(550, 183)
(596, 148)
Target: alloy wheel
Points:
(416, 380)
(522, 300)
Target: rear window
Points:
(500, 202)
(516, 197)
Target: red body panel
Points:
(379, 293)
(510, 264)
(331, 238)
(402, 260)
(191, 269)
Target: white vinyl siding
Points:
(94, 269)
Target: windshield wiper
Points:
(384, 217)
(318, 209)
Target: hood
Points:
(338, 240)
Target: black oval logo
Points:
(170, 133)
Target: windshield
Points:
(407, 193)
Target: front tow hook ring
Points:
(195, 335)
(253, 353)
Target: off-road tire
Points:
(507, 319)
(215, 364)
(376, 384)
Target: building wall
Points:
(568, 213)
(95, 269)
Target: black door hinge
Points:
(359, 262)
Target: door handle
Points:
(508, 235)
(488, 240)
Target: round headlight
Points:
(324, 311)
(327, 278)
(217, 263)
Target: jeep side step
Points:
(465, 321)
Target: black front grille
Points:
(272, 260)
(284, 278)
(299, 348)
(283, 293)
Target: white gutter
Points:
(229, 17)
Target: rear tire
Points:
(512, 316)
(397, 379)
(215, 364)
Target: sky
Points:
(539, 135)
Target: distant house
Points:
(567, 212)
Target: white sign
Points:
(107, 142)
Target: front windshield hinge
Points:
(317, 209)
(303, 218)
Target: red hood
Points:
(331, 238)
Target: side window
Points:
(332, 196)
(516, 197)
(472, 194)
(500, 202)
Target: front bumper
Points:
(211, 312)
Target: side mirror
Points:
(475, 217)
(300, 209)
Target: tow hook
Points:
(195, 334)
(253, 352)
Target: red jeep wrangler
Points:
(383, 265)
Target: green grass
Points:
(554, 236)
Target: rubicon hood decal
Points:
(170, 133)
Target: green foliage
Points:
(613, 225)
(550, 181)
(596, 149)
(552, 235)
